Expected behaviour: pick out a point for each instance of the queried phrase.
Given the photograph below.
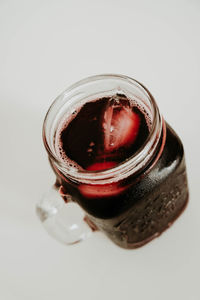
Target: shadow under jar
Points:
(137, 198)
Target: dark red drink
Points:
(105, 133)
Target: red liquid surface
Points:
(104, 133)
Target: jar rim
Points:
(123, 169)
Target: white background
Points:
(45, 47)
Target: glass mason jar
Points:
(132, 202)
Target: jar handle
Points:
(63, 221)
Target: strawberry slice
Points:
(121, 127)
(100, 191)
(98, 166)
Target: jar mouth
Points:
(123, 169)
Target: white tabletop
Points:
(45, 47)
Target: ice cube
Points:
(121, 125)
